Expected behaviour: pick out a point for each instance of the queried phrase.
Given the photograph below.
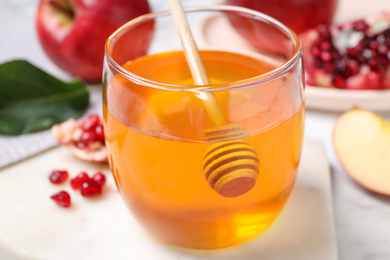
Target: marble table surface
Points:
(362, 219)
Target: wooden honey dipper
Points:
(231, 166)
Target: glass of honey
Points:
(204, 166)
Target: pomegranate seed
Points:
(99, 179)
(374, 45)
(361, 59)
(340, 65)
(80, 145)
(366, 41)
(360, 26)
(335, 55)
(373, 80)
(339, 82)
(326, 56)
(383, 49)
(85, 139)
(382, 69)
(373, 63)
(380, 38)
(78, 181)
(326, 46)
(58, 177)
(90, 189)
(373, 76)
(100, 133)
(353, 67)
(329, 66)
(318, 63)
(91, 123)
(62, 198)
(368, 54)
(315, 51)
(353, 51)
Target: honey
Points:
(155, 138)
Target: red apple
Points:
(73, 32)
(297, 14)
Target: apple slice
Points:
(361, 140)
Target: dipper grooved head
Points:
(231, 168)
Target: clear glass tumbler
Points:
(204, 166)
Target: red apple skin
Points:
(76, 44)
(297, 14)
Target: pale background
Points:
(362, 219)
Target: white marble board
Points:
(33, 227)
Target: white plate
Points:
(319, 98)
(340, 100)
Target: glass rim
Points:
(278, 71)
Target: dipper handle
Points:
(195, 62)
(231, 167)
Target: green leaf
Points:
(32, 100)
